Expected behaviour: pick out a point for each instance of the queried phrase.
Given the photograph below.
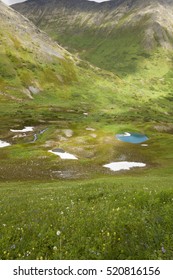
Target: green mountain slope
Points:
(115, 35)
(30, 60)
(37, 71)
(130, 38)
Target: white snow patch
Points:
(4, 144)
(99, 1)
(11, 2)
(25, 129)
(63, 155)
(126, 134)
(123, 165)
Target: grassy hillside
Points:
(98, 219)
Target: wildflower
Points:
(58, 232)
(104, 247)
(55, 248)
(13, 246)
(163, 250)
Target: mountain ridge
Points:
(113, 35)
(105, 15)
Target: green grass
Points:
(111, 218)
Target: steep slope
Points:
(37, 71)
(30, 60)
(39, 78)
(116, 35)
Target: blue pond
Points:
(135, 138)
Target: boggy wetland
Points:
(51, 151)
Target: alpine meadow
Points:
(86, 135)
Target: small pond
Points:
(134, 138)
